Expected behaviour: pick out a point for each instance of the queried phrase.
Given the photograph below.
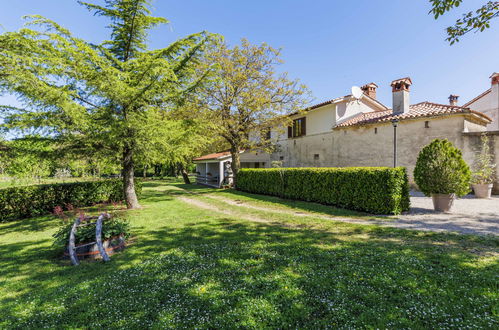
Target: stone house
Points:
(349, 131)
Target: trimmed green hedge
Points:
(23, 202)
(377, 190)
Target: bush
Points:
(484, 172)
(28, 201)
(377, 190)
(441, 169)
(110, 228)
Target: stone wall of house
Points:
(303, 151)
(372, 145)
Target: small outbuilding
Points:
(214, 169)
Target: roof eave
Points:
(477, 116)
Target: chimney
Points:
(370, 90)
(400, 92)
(494, 78)
(494, 104)
(453, 99)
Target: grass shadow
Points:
(190, 268)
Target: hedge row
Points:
(376, 190)
(28, 201)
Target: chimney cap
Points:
(371, 84)
(453, 99)
(494, 78)
(401, 84)
(406, 81)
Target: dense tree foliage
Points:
(441, 169)
(247, 96)
(476, 21)
(114, 99)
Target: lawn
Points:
(204, 258)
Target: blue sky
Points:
(328, 45)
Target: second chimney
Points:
(453, 99)
(370, 90)
(400, 92)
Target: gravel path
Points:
(469, 215)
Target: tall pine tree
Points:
(113, 98)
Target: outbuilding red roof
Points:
(216, 155)
(419, 110)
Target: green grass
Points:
(190, 267)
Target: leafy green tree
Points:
(247, 96)
(114, 97)
(191, 138)
(3, 156)
(476, 21)
(29, 157)
(441, 169)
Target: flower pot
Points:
(483, 190)
(443, 202)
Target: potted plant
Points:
(442, 173)
(484, 170)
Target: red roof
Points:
(216, 155)
(420, 110)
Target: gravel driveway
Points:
(469, 215)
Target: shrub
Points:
(377, 190)
(28, 201)
(441, 169)
(86, 234)
(484, 171)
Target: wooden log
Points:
(98, 237)
(71, 246)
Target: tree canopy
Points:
(246, 96)
(115, 98)
(476, 21)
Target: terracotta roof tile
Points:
(216, 155)
(420, 110)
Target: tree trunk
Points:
(145, 171)
(235, 164)
(128, 180)
(184, 173)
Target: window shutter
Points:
(290, 132)
(304, 126)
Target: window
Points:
(299, 128)
(281, 158)
(266, 133)
(316, 157)
(375, 130)
(426, 124)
